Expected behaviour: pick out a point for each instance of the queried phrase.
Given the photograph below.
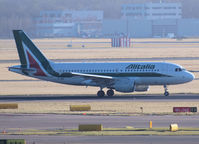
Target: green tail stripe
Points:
(20, 49)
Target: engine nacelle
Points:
(124, 85)
(141, 88)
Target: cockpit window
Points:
(179, 69)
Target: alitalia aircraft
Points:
(122, 77)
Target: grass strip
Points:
(108, 132)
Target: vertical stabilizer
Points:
(30, 56)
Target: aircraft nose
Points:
(190, 76)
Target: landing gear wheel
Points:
(100, 93)
(166, 93)
(110, 93)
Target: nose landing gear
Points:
(166, 93)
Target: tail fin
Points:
(27, 49)
(30, 56)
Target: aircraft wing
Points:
(100, 80)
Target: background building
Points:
(152, 20)
(152, 11)
(69, 23)
(136, 21)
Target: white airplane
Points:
(122, 77)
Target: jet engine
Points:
(141, 88)
(124, 85)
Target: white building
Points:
(69, 23)
(152, 11)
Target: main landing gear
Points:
(100, 93)
(109, 93)
(166, 93)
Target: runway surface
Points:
(127, 97)
(59, 121)
(108, 139)
(63, 121)
(51, 122)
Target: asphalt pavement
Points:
(36, 139)
(90, 97)
(62, 121)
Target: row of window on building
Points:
(139, 8)
(153, 14)
(146, 10)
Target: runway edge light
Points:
(150, 124)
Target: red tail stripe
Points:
(34, 64)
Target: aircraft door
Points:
(165, 68)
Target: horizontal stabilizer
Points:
(22, 69)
